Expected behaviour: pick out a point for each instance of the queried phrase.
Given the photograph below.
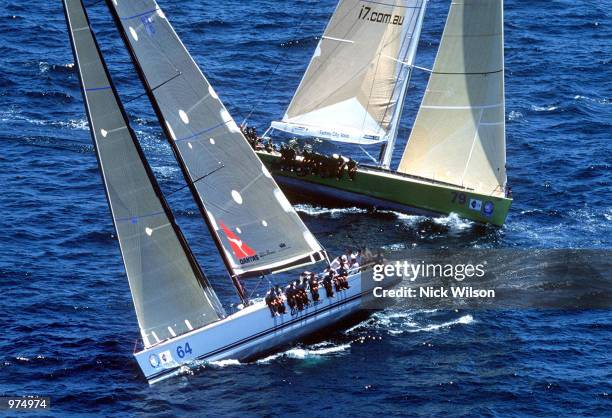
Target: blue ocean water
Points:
(68, 324)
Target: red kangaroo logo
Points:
(240, 249)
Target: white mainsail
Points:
(170, 292)
(256, 229)
(357, 76)
(459, 133)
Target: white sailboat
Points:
(353, 92)
(256, 230)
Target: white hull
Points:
(248, 333)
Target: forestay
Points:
(170, 292)
(253, 223)
(459, 133)
(357, 75)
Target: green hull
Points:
(389, 190)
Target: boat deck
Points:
(385, 189)
(251, 331)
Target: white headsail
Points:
(358, 74)
(459, 133)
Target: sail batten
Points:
(168, 288)
(255, 228)
(459, 132)
(356, 77)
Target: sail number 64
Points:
(181, 351)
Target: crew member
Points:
(354, 265)
(352, 169)
(289, 293)
(283, 158)
(280, 304)
(291, 158)
(335, 264)
(270, 301)
(297, 297)
(302, 288)
(269, 145)
(327, 282)
(340, 163)
(313, 282)
(317, 164)
(342, 278)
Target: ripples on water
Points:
(69, 324)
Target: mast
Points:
(170, 292)
(254, 226)
(389, 146)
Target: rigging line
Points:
(134, 98)
(257, 285)
(405, 43)
(280, 61)
(195, 181)
(476, 136)
(407, 39)
(368, 154)
(153, 89)
(416, 67)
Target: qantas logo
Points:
(366, 13)
(241, 250)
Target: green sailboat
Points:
(353, 92)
